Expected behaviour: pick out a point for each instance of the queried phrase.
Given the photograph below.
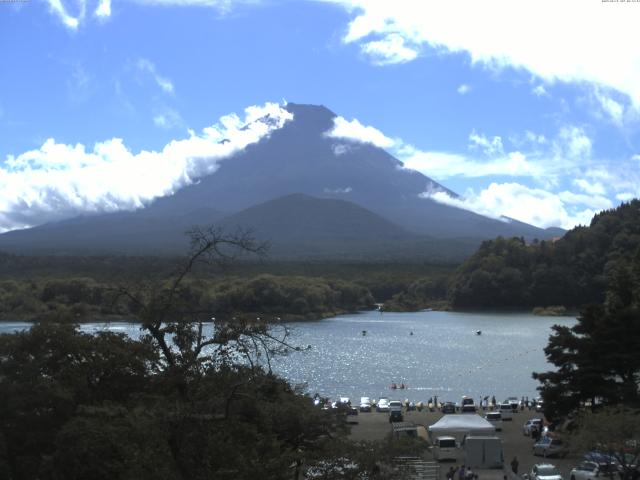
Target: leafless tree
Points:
(186, 333)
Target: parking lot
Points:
(375, 426)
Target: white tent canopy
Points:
(462, 425)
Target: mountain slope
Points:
(138, 232)
(300, 158)
(372, 205)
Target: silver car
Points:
(545, 471)
(383, 405)
(550, 447)
(590, 470)
(530, 425)
(365, 404)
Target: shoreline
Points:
(314, 317)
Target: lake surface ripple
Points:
(433, 353)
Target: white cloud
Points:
(340, 149)
(490, 147)
(224, 6)
(354, 130)
(338, 190)
(535, 138)
(539, 91)
(531, 205)
(391, 49)
(68, 20)
(463, 89)
(167, 119)
(59, 180)
(103, 10)
(583, 41)
(573, 143)
(613, 109)
(626, 196)
(149, 67)
(443, 165)
(596, 202)
(547, 162)
(593, 188)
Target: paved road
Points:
(375, 426)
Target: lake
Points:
(443, 357)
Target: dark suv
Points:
(395, 416)
(449, 407)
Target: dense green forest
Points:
(571, 271)
(73, 288)
(81, 299)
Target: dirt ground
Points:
(375, 426)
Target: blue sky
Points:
(531, 112)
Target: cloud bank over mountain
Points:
(545, 161)
(60, 180)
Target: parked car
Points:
(601, 457)
(467, 405)
(344, 401)
(531, 425)
(383, 405)
(545, 471)
(395, 405)
(506, 410)
(449, 407)
(590, 470)
(550, 447)
(444, 448)
(466, 401)
(495, 419)
(365, 404)
(514, 402)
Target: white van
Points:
(495, 419)
(467, 405)
(506, 410)
(445, 448)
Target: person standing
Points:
(514, 465)
(469, 474)
(451, 473)
(462, 474)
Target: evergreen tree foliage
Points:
(572, 271)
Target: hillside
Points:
(301, 158)
(572, 271)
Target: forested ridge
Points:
(571, 271)
(82, 299)
(81, 288)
